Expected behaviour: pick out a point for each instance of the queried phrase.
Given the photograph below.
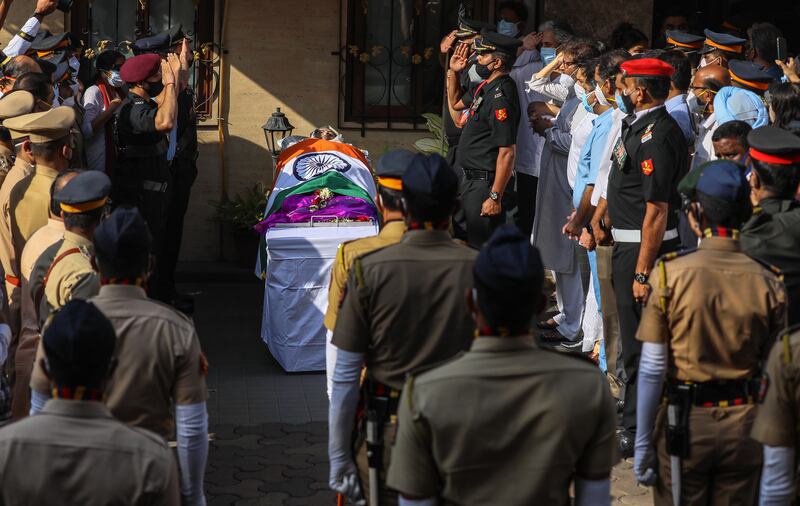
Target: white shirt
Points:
(529, 144)
(703, 146)
(554, 89)
(95, 141)
(17, 45)
(581, 128)
(601, 184)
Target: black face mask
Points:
(483, 70)
(154, 89)
(629, 107)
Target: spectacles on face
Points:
(565, 63)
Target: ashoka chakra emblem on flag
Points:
(311, 165)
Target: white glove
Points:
(644, 466)
(344, 480)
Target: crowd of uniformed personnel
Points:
(676, 275)
(97, 159)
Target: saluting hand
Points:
(46, 7)
(447, 42)
(458, 61)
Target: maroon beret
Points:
(647, 67)
(139, 68)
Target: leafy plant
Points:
(437, 143)
(245, 210)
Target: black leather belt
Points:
(478, 175)
(723, 393)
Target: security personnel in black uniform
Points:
(141, 175)
(773, 232)
(181, 153)
(468, 30)
(490, 113)
(643, 204)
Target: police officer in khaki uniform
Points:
(75, 450)
(777, 424)
(403, 309)
(772, 234)
(709, 337)
(389, 169)
(160, 364)
(39, 160)
(47, 236)
(508, 422)
(71, 274)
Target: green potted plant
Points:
(241, 213)
(437, 143)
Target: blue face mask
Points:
(507, 28)
(621, 103)
(585, 102)
(548, 54)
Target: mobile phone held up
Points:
(781, 49)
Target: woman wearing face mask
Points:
(100, 102)
(784, 106)
(556, 81)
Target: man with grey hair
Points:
(555, 32)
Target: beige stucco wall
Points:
(275, 58)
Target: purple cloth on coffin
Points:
(296, 209)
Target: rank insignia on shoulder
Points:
(501, 114)
(647, 167)
(499, 94)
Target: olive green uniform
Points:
(778, 420)
(159, 360)
(717, 334)
(404, 309)
(773, 235)
(70, 276)
(75, 452)
(505, 423)
(391, 233)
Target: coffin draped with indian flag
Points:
(324, 194)
(318, 181)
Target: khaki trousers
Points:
(724, 463)
(387, 496)
(608, 309)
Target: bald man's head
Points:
(707, 82)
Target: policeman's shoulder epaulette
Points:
(675, 254)
(772, 268)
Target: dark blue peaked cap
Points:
(508, 263)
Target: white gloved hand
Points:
(344, 480)
(644, 466)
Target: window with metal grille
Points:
(107, 24)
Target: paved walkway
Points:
(270, 427)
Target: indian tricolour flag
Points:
(311, 158)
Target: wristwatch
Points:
(494, 196)
(640, 277)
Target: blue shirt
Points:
(679, 110)
(591, 156)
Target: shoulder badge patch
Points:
(647, 167)
(501, 114)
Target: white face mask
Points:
(566, 80)
(75, 64)
(114, 79)
(579, 91)
(69, 102)
(601, 98)
(473, 75)
(694, 103)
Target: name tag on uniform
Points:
(620, 155)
